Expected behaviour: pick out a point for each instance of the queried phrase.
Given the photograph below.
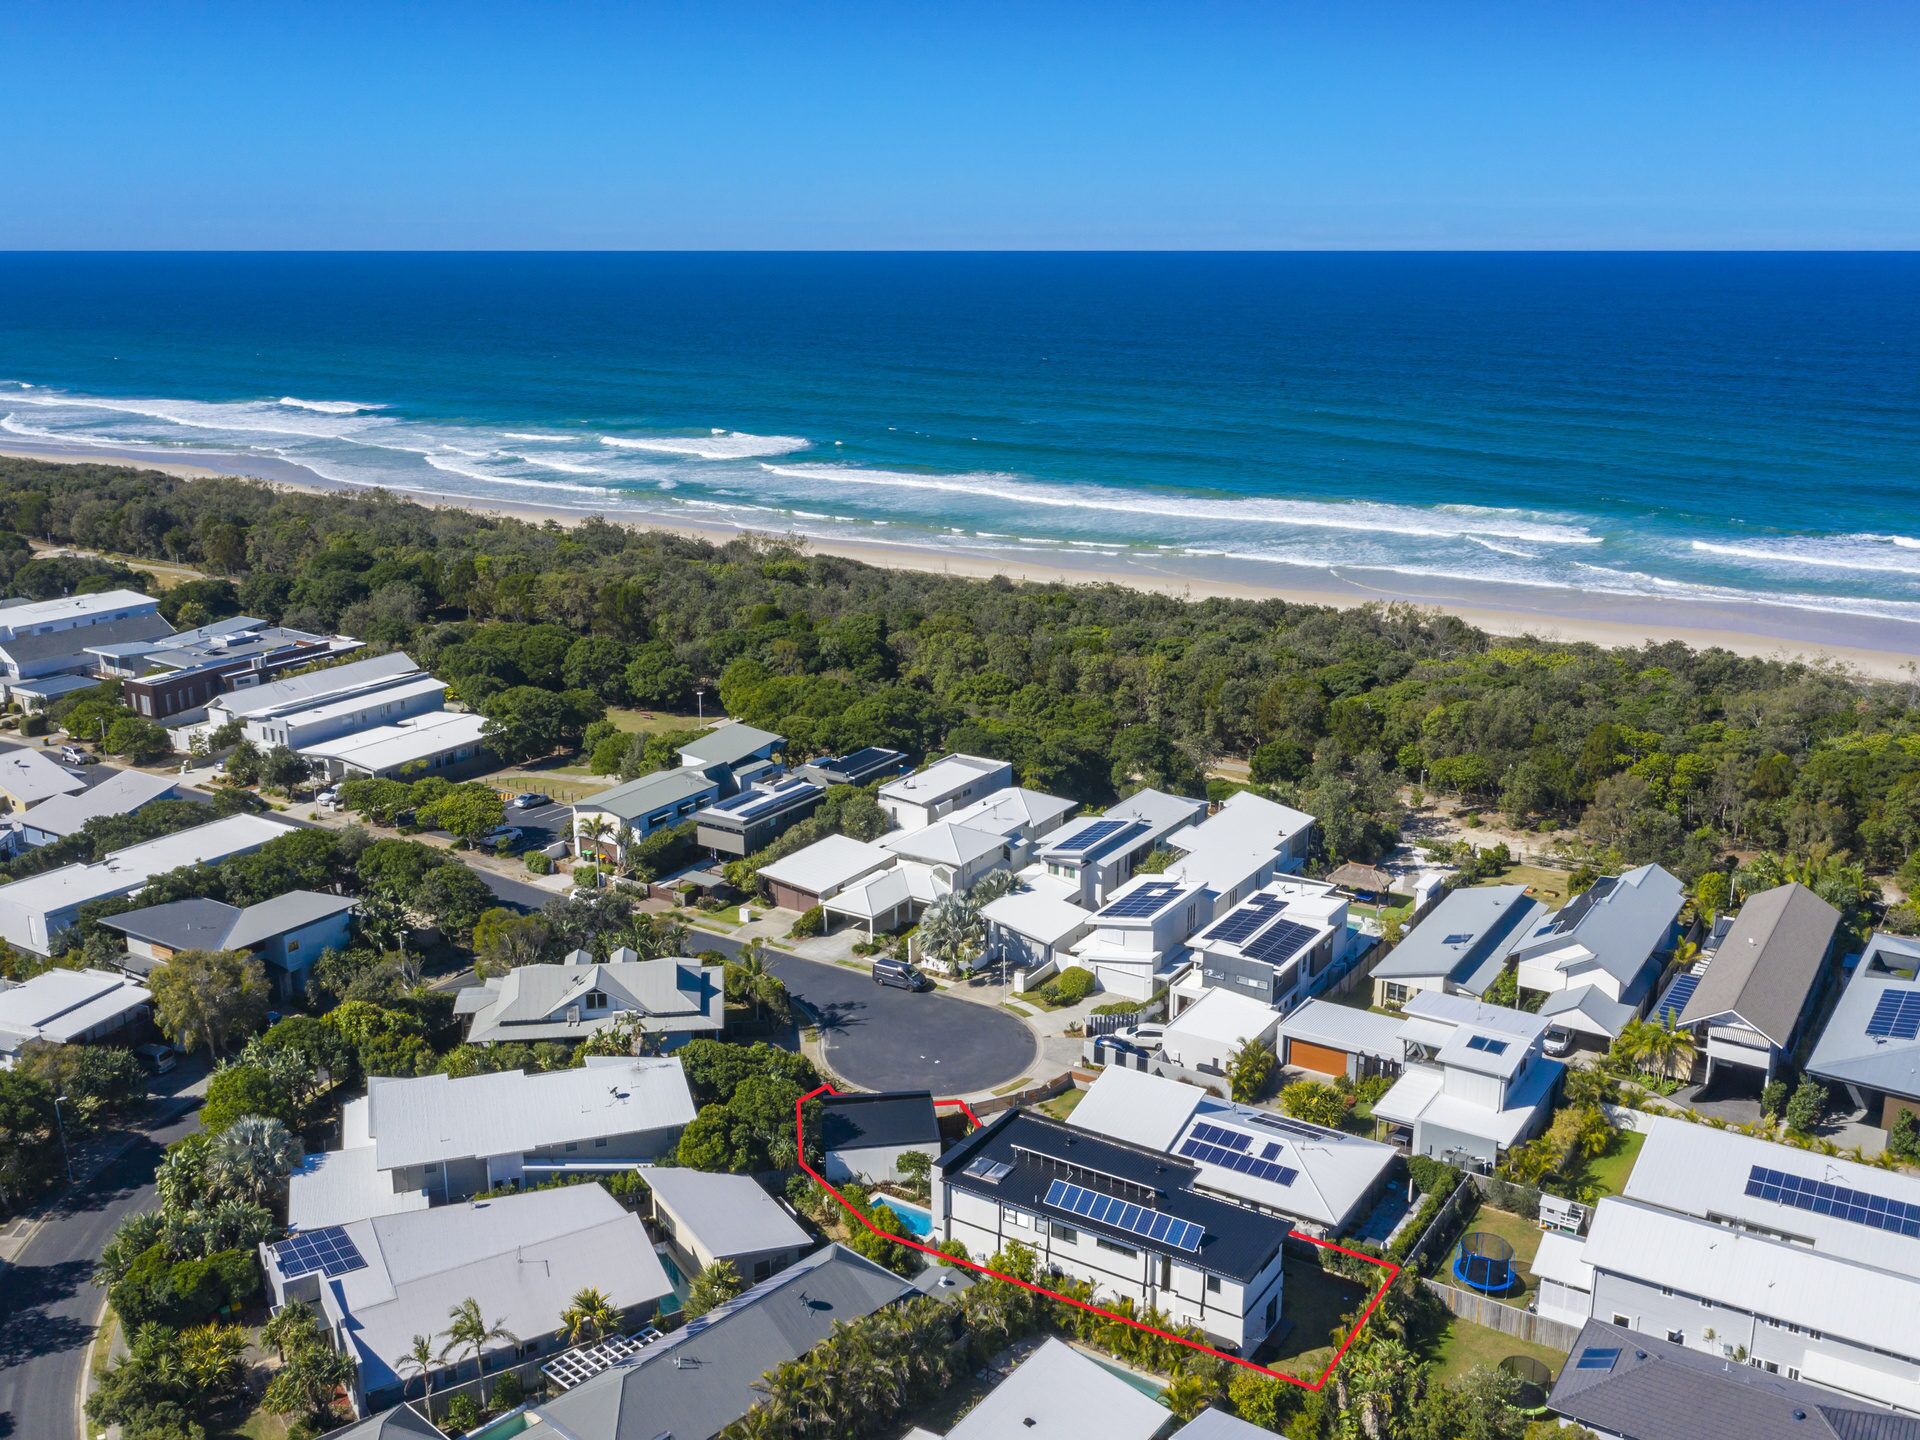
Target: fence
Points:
(1095, 1026)
(1058, 1085)
(1507, 1319)
(1439, 1230)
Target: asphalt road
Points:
(880, 1038)
(48, 1303)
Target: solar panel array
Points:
(1125, 1215)
(1897, 1016)
(1677, 996)
(1280, 941)
(1596, 1358)
(1486, 1043)
(1246, 919)
(1149, 899)
(1298, 1129)
(1225, 1139)
(1195, 1148)
(1092, 835)
(1840, 1201)
(327, 1250)
(752, 804)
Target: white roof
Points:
(1057, 1393)
(1223, 866)
(29, 614)
(1697, 1170)
(1335, 1171)
(337, 1187)
(388, 747)
(1211, 1424)
(727, 1214)
(1013, 812)
(825, 865)
(434, 1117)
(121, 793)
(1793, 1283)
(1040, 912)
(128, 869)
(57, 1005)
(944, 843)
(303, 691)
(30, 777)
(1345, 1027)
(1224, 1018)
(940, 779)
(523, 1257)
(1418, 1096)
(332, 707)
(1244, 820)
(1462, 1019)
(873, 896)
(1562, 1258)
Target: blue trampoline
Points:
(1484, 1263)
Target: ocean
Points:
(1740, 430)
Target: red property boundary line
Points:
(1393, 1270)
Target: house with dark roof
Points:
(288, 933)
(1752, 994)
(702, 1378)
(1870, 1048)
(637, 808)
(1597, 958)
(1461, 946)
(733, 755)
(861, 767)
(672, 998)
(755, 817)
(1131, 1221)
(1629, 1386)
(864, 1136)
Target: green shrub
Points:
(1071, 986)
(462, 1414)
(507, 1393)
(811, 921)
(539, 862)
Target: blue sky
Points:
(1356, 124)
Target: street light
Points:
(700, 700)
(60, 1124)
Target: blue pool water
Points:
(918, 1222)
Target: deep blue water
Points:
(1692, 426)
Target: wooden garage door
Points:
(787, 897)
(1324, 1058)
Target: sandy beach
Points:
(1883, 649)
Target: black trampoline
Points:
(1485, 1263)
(1536, 1380)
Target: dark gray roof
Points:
(1767, 966)
(1657, 1390)
(699, 1380)
(1466, 938)
(860, 768)
(26, 649)
(1238, 1242)
(202, 924)
(900, 1117)
(402, 1422)
(1846, 1052)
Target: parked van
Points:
(900, 975)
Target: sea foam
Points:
(720, 445)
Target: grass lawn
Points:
(1462, 1345)
(1062, 1105)
(652, 722)
(1610, 1171)
(1520, 1233)
(1542, 883)
(1316, 1303)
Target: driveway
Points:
(48, 1303)
(880, 1038)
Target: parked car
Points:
(532, 800)
(157, 1058)
(900, 975)
(1558, 1040)
(74, 755)
(509, 834)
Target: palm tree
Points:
(470, 1330)
(420, 1360)
(593, 831)
(623, 842)
(589, 1317)
(1669, 1046)
(252, 1156)
(291, 1324)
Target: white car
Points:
(507, 833)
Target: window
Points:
(1678, 1337)
(601, 1143)
(1065, 1234)
(293, 947)
(1705, 1304)
(1016, 1217)
(1623, 1322)
(1126, 1250)
(1666, 1289)
(572, 1146)
(596, 1000)
(1213, 1284)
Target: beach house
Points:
(288, 933)
(672, 998)
(915, 801)
(1596, 960)
(71, 1007)
(1869, 1051)
(1461, 946)
(704, 1218)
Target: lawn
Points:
(1542, 883)
(1062, 1105)
(1518, 1232)
(1317, 1304)
(652, 722)
(1610, 1171)
(1462, 1345)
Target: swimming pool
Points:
(918, 1222)
(505, 1428)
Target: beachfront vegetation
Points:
(1650, 753)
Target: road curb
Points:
(86, 1372)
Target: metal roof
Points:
(895, 1117)
(1620, 923)
(1890, 965)
(121, 793)
(1466, 938)
(726, 1214)
(1770, 962)
(638, 798)
(729, 744)
(1057, 1393)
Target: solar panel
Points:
(1226, 1139)
(1147, 900)
(1125, 1215)
(328, 1250)
(1248, 918)
(1278, 942)
(1298, 1129)
(1092, 835)
(1596, 1358)
(1459, 939)
(1896, 1016)
(1491, 1046)
(1677, 996)
(1198, 1149)
(1842, 1202)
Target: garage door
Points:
(1323, 1058)
(788, 898)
